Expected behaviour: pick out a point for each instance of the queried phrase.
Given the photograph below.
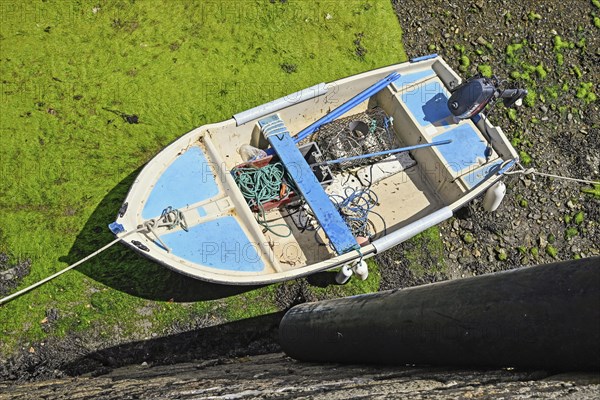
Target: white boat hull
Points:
(223, 242)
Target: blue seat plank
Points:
(333, 225)
(466, 150)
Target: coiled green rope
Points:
(261, 185)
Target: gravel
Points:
(536, 223)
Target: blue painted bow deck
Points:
(218, 243)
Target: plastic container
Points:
(251, 153)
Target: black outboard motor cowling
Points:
(471, 97)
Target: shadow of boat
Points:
(124, 270)
(252, 336)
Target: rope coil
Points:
(262, 185)
(355, 208)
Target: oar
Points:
(383, 153)
(344, 108)
(347, 106)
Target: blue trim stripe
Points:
(423, 58)
(186, 181)
(220, 244)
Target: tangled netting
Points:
(367, 132)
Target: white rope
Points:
(531, 171)
(171, 218)
(40, 283)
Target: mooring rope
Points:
(48, 279)
(533, 171)
(170, 218)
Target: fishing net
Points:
(367, 132)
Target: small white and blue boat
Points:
(198, 207)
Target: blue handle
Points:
(347, 106)
(344, 108)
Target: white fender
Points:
(344, 275)
(494, 196)
(361, 270)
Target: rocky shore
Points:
(552, 48)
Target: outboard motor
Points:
(469, 98)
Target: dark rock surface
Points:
(276, 376)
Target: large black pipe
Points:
(535, 317)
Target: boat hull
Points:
(186, 212)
